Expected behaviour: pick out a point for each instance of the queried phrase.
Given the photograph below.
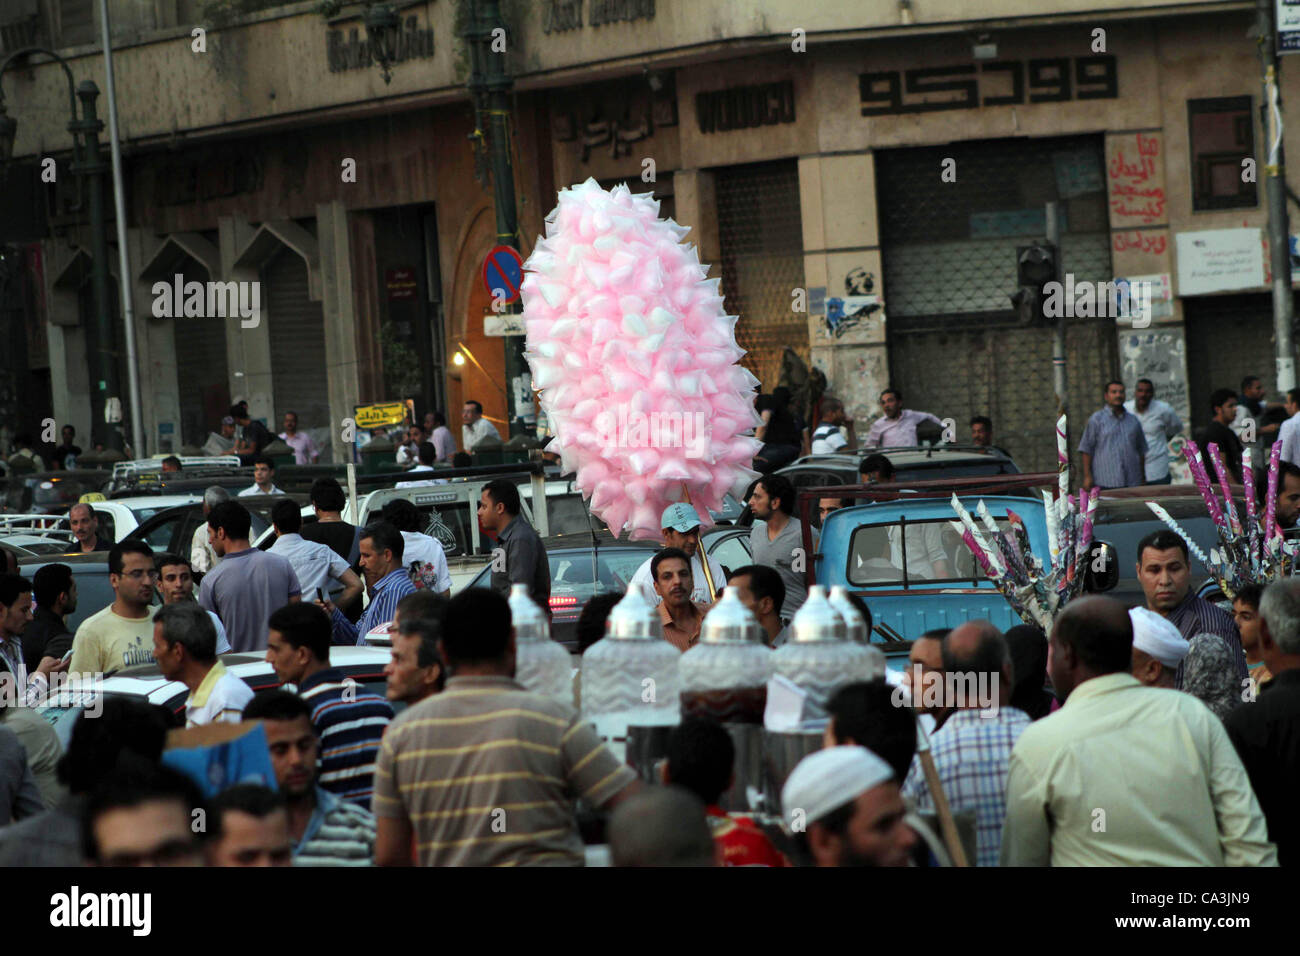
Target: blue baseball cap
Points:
(681, 517)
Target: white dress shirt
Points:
(471, 435)
(1159, 424)
(1289, 436)
(421, 484)
(254, 490)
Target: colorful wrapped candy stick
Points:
(1053, 531)
(981, 556)
(1252, 519)
(1174, 526)
(1270, 502)
(969, 523)
(1230, 509)
(995, 535)
(1062, 460)
(1032, 563)
(1197, 467)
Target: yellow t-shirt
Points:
(106, 642)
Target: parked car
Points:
(33, 545)
(1123, 521)
(451, 511)
(880, 551)
(119, 517)
(89, 571)
(911, 464)
(580, 571)
(365, 665)
(49, 492)
(172, 529)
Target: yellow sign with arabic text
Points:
(380, 413)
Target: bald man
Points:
(1122, 774)
(972, 749)
(662, 826)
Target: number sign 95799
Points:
(1047, 80)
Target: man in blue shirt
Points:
(381, 549)
(1113, 447)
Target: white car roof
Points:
(148, 501)
(157, 689)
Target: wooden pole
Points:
(947, 825)
(704, 556)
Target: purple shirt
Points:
(897, 432)
(304, 449)
(444, 445)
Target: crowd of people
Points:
(1166, 733)
(1163, 734)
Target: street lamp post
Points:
(489, 85)
(86, 162)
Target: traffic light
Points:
(1035, 268)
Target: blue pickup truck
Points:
(905, 560)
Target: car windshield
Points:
(45, 547)
(62, 491)
(1126, 530)
(965, 469)
(572, 573)
(906, 553)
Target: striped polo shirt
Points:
(338, 834)
(487, 773)
(349, 723)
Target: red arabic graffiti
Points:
(1133, 190)
(1140, 242)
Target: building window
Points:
(1222, 134)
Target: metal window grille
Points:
(760, 231)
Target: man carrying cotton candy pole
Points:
(635, 361)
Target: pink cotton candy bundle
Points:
(635, 360)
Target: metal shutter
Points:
(1228, 338)
(202, 374)
(948, 252)
(297, 333)
(760, 231)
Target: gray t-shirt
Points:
(243, 590)
(785, 554)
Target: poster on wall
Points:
(1161, 356)
(1219, 260)
(1288, 26)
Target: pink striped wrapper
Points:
(1217, 458)
(1270, 502)
(1193, 454)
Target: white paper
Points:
(1219, 260)
(785, 700)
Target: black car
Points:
(1123, 522)
(89, 572)
(925, 463)
(173, 528)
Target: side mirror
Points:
(1102, 571)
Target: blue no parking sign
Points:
(503, 269)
